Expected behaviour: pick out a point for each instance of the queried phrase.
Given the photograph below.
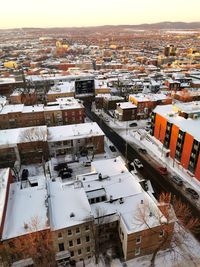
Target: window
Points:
(161, 233)
(70, 243)
(78, 241)
(69, 232)
(61, 247)
(72, 253)
(79, 251)
(87, 228)
(88, 249)
(138, 240)
(59, 235)
(137, 251)
(87, 238)
(122, 235)
(77, 230)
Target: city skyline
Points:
(94, 13)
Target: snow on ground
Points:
(187, 255)
(139, 137)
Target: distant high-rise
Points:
(170, 50)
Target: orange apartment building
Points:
(177, 127)
(146, 103)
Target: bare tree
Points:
(36, 244)
(170, 210)
(36, 139)
(99, 228)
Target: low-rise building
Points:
(147, 102)
(60, 90)
(73, 139)
(126, 111)
(61, 112)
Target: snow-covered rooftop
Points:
(68, 205)
(191, 126)
(62, 88)
(25, 206)
(126, 105)
(149, 97)
(59, 104)
(189, 107)
(75, 131)
(11, 137)
(124, 194)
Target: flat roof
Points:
(124, 191)
(11, 137)
(24, 206)
(68, 205)
(126, 105)
(149, 97)
(74, 131)
(62, 88)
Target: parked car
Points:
(133, 124)
(60, 166)
(69, 170)
(147, 128)
(87, 163)
(163, 170)
(24, 174)
(112, 148)
(142, 150)
(138, 163)
(66, 175)
(177, 180)
(192, 193)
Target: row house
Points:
(177, 128)
(61, 112)
(21, 96)
(74, 139)
(187, 95)
(126, 111)
(35, 144)
(146, 103)
(7, 85)
(23, 146)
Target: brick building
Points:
(126, 111)
(104, 201)
(146, 103)
(61, 112)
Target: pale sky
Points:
(67, 13)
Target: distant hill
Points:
(147, 26)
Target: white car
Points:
(137, 163)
